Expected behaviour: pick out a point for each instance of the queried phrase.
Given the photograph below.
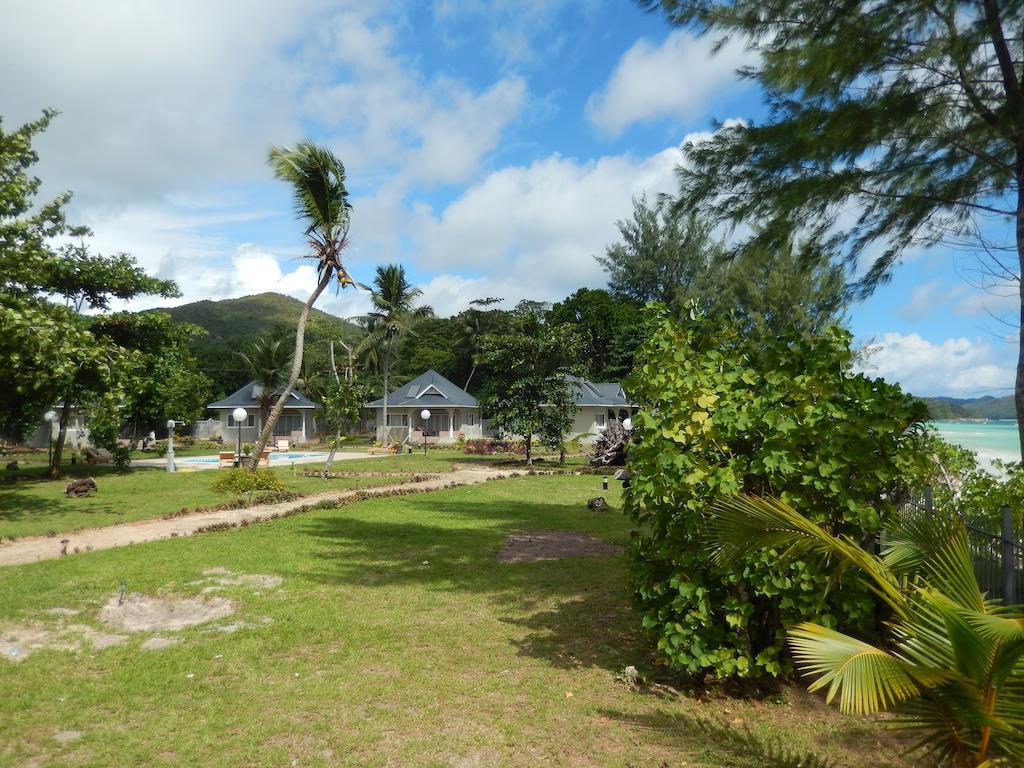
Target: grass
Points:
(37, 506)
(396, 638)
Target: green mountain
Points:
(987, 407)
(233, 324)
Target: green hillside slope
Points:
(987, 407)
(233, 324)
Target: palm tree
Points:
(321, 202)
(267, 361)
(393, 316)
(473, 329)
(952, 667)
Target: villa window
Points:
(470, 419)
(250, 421)
(398, 419)
(599, 420)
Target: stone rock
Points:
(597, 504)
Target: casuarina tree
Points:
(890, 126)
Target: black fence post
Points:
(1010, 596)
(928, 503)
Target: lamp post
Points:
(239, 415)
(49, 417)
(170, 445)
(424, 414)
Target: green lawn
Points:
(395, 638)
(36, 506)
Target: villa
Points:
(297, 422)
(453, 411)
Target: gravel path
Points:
(34, 548)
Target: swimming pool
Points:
(274, 457)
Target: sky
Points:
(490, 148)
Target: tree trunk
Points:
(529, 450)
(387, 371)
(58, 446)
(471, 372)
(300, 339)
(1018, 390)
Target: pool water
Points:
(273, 457)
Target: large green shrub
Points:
(723, 414)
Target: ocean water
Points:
(990, 440)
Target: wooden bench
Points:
(227, 459)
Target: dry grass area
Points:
(384, 633)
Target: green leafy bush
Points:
(243, 481)
(723, 414)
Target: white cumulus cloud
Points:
(677, 78)
(954, 367)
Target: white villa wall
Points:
(412, 433)
(219, 427)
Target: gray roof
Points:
(248, 397)
(427, 389)
(598, 393)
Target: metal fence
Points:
(997, 549)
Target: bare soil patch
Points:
(553, 545)
(219, 578)
(149, 613)
(20, 642)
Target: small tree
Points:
(342, 403)
(528, 392)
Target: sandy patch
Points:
(65, 737)
(553, 545)
(149, 613)
(58, 611)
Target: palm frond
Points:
(743, 524)
(867, 679)
(318, 186)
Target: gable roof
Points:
(427, 389)
(248, 397)
(598, 393)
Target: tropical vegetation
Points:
(724, 413)
(951, 668)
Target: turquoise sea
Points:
(990, 440)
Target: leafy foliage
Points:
(527, 390)
(720, 414)
(907, 115)
(953, 672)
(240, 480)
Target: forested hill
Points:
(232, 325)
(253, 316)
(987, 407)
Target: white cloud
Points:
(675, 79)
(166, 98)
(537, 228)
(955, 367)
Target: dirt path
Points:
(31, 549)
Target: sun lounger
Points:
(227, 459)
(282, 445)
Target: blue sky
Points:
(490, 148)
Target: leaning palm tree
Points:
(267, 362)
(952, 667)
(321, 202)
(394, 313)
